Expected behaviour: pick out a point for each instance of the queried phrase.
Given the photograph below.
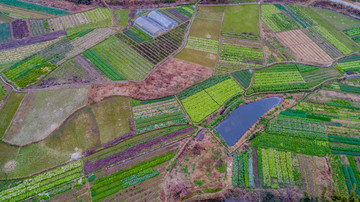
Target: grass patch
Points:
(199, 183)
(198, 57)
(212, 9)
(112, 116)
(241, 18)
(338, 20)
(208, 29)
(8, 111)
(121, 16)
(41, 113)
(76, 135)
(8, 153)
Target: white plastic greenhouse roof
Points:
(148, 25)
(163, 20)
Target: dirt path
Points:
(113, 21)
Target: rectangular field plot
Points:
(20, 53)
(303, 47)
(241, 18)
(278, 78)
(178, 14)
(127, 61)
(35, 185)
(206, 45)
(28, 71)
(34, 7)
(350, 65)
(319, 75)
(234, 58)
(243, 77)
(39, 27)
(103, 66)
(157, 114)
(98, 17)
(276, 20)
(208, 29)
(291, 143)
(137, 175)
(211, 13)
(5, 32)
(242, 170)
(306, 128)
(203, 99)
(278, 168)
(67, 21)
(198, 57)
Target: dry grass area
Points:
(316, 174)
(200, 169)
(169, 79)
(304, 49)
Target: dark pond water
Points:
(242, 118)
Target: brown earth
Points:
(304, 49)
(169, 79)
(198, 162)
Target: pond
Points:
(243, 117)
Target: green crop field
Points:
(34, 7)
(127, 61)
(202, 100)
(241, 18)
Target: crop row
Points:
(201, 44)
(242, 170)
(350, 179)
(289, 143)
(28, 71)
(350, 89)
(39, 26)
(5, 32)
(235, 53)
(304, 127)
(137, 34)
(352, 31)
(103, 66)
(350, 66)
(178, 14)
(42, 182)
(137, 148)
(155, 115)
(296, 14)
(108, 185)
(159, 48)
(276, 20)
(277, 168)
(123, 58)
(202, 100)
(333, 40)
(243, 77)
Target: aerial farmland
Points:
(179, 100)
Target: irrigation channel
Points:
(242, 118)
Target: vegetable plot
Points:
(109, 185)
(206, 45)
(203, 99)
(157, 114)
(242, 170)
(28, 71)
(276, 20)
(278, 78)
(43, 182)
(278, 168)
